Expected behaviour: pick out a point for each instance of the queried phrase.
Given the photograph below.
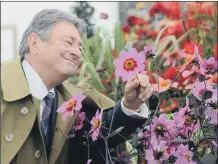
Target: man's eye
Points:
(69, 43)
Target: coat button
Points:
(24, 111)
(9, 137)
(37, 153)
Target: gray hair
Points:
(44, 21)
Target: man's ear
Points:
(33, 43)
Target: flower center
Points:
(70, 105)
(164, 83)
(158, 155)
(130, 64)
(188, 121)
(160, 130)
(201, 91)
(209, 67)
(96, 123)
(77, 121)
(188, 58)
(187, 157)
(214, 79)
(174, 56)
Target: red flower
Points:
(169, 9)
(170, 73)
(215, 51)
(168, 105)
(140, 32)
(152, 34)
(199, 8)
(126, 29)
(103, 16)
(176, 29)
(189, 48)
(133, 20)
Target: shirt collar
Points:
(36, 85)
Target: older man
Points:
(50, 52)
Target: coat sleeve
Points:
(120, 119)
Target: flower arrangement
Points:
(178, 51)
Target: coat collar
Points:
(14, 84)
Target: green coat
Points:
(19, 111)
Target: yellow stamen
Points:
(164, 83)
(187, 157)
(96, 123)
(71, 104)
(130, 64)
(188, 58)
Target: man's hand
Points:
(137, 91)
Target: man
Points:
(50, 52)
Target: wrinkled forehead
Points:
(64, 29)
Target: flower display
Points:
(175, 45)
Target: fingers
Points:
(132, 84)
(143, 80)
(145, 87)
(146, 94)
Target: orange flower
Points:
(164, 85)
(168, 105)
(170, 73)
(189, 48)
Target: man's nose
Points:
(76, 52)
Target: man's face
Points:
(62, 53)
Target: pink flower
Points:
(158, 151)
(183, 154)
(149, 51)
(129, 64)
(103, 16)
(187, 60)
(78, 124)
(198, 56)
(96, 124)
(146, 139)
(172, 58)
(124, 156)
(163, 128)
(208, 65)
(212, 114)
(88, 162)
(74, 104)
(200, 88)
(187, 73)
(179, 117)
